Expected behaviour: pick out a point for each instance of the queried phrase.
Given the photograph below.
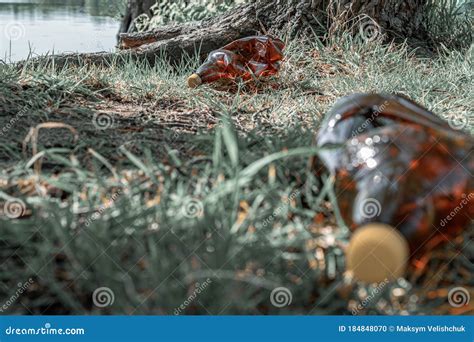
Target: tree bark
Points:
(388, 18)
(135, 8)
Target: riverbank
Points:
(36, 27)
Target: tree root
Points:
(293, 17)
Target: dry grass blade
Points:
(33, 135)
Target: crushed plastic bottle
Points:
(244, 59)
(397, 165)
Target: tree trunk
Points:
(390, 19)
(135, 8)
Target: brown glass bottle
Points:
(399, 165)
(244, 59)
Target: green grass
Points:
(187, 187)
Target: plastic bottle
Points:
(403, 180)
(256, 56)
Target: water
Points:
(44, 26)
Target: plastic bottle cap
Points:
(377, 252)
(194, 81)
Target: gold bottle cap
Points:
(377, 252)
(194, 81)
